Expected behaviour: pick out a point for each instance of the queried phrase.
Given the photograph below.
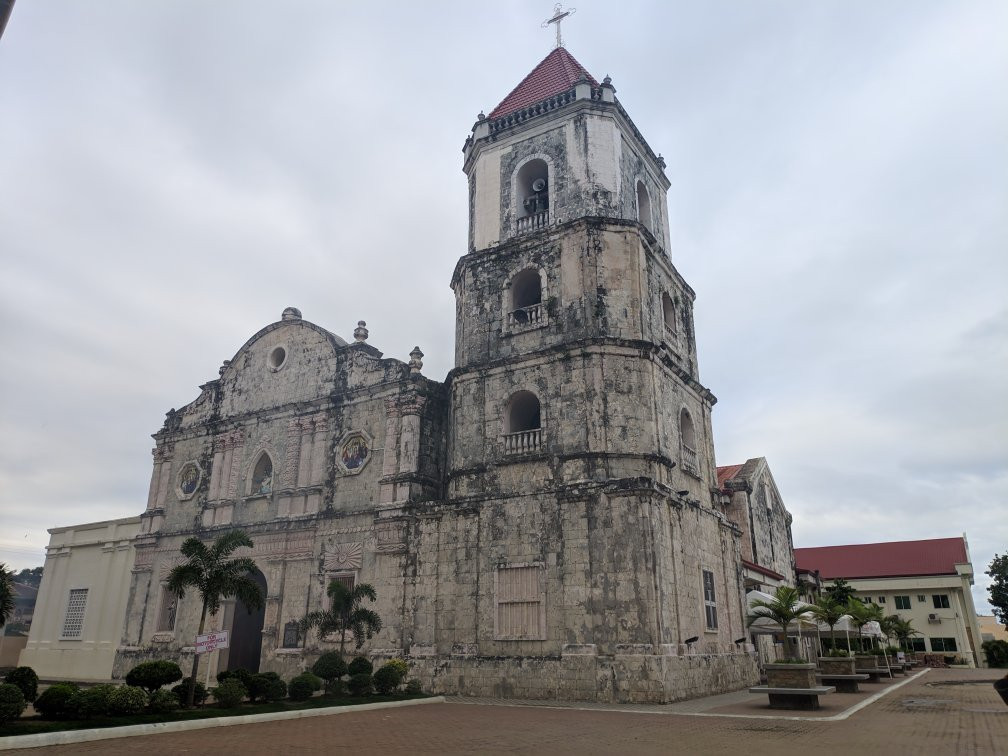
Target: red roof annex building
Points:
(927, 582)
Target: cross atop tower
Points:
(559, 14)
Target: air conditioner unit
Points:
(933, 618)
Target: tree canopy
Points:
(840, 591)
(997, 591)
(6, 594)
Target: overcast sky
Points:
(173, 174)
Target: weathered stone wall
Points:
(756, 506)
(632, 678)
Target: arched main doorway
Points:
(245, 638)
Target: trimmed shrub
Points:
(200, 695)
(127, 699)
(276, 690)
(152, 675)
(413, 687)
(53, 702)
(401, 665)
(360, 665)
(26, 679)
(330, 667)
(230, 693)
(241, 674)
(316, 681)
(163, 700)
(12, 702)
(300, 688)
(91, 702)
(261, 685)
(361, 684)
(386, 679)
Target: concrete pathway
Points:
(942, 712)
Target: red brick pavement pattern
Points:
(920, 718)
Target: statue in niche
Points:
(262, 477)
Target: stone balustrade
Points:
(532, 222)
(530, 316)
(523, 442)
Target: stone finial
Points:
(481, 116)
(224, 367)
(360, 332)
(416, 360)
(661, 161)
(608, 90)
(291, 313)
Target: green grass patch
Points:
(33, 725)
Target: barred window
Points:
(710, 602)
(520, 613)
(73, 621)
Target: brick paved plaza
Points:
(943, 711)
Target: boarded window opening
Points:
(520, 603)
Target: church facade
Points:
(546, 522)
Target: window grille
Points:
(73, 622)
(710, 603)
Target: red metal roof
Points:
(557, 73)
(762, 570)
(726, 473)
(937, 556)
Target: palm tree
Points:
(862, 614)
(783, 609)
(215, 577)
(345, 613)
(903, 630)
(829, 612)
(6, 594)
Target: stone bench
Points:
(874, 674)
(806, 699)
(843, 683)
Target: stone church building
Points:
(547, 522)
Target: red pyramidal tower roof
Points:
(557, 73)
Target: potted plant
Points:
(829, 612)
(782, 610)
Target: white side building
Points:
(927, 582)
(81, 605)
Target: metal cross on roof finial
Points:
(559, 14)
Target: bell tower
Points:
(568, 294)
(579, 434)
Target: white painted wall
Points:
(97, 556)
(486, 213)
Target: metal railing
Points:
(523, 442)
